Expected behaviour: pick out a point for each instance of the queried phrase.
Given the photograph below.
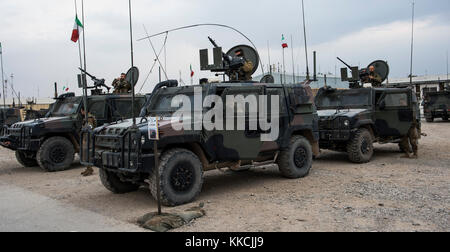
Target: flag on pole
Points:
(192, 72)
(65, 89)
(76, 30)
(284, 44)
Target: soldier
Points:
(92, 123)
(245, 72)
(121, 85)
(374, 77)
(411, 140)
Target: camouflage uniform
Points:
(375, 79)
(92, 123)
(411, 140)
(245, 72)
(121, 86)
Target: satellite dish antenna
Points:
(250, 54)
(381, 68)
(268, 79)
(133, 72)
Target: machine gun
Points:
(98, 83)
(229, 63)
(359, 77)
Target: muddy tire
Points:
(113, 183)
(24, 160)
(181, 177)
(360, 147)
(296, 162)
(56, 154)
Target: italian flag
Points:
(284, 44)
(192, 72)
(77, 28)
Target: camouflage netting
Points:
(169, 221)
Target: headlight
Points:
(346, 123)
(143, 140)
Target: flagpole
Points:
(86, 109)
(3, 81)
(268, 52)
(293, 62)
(412, 47)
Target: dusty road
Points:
(389, 194)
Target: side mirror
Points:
(382, 105)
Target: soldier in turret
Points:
(92, 123)
(245, 72)
(121, 85)
(374, 77)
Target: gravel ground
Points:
(388, 194)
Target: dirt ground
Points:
(389, 194)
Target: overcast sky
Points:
(36, 36)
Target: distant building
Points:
(422, 84)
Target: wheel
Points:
(56, 154)
(24, 160)
(113, 183)
(181, 177)
(445, 118)
(360, 147)
(430, 120)
(296, 162)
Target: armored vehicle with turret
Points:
(437, 105)
(52, 141)
(352, 120)
(208, 127)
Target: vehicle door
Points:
(393, 112)
(237, 144)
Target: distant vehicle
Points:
(437, 105)
(352, 120)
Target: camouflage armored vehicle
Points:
(437, 105)
(352, 120)
(52, 141)
(125, 154)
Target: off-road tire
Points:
(24, 161)
(56, 154)
(445, 119)
(113, 183)
(361, 140)
(181, 177)
(430, 120)
(296, 161)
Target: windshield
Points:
(162, 101)
(343, 99)
(66, 107)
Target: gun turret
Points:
(362, 76)
(97, 82)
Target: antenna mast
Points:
(412, 47)
(306, 45)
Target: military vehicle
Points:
(437, 105)
(352, 120)
(126, 154)
(9, 116)
(51, 142)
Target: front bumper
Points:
(123, 154)
(335, 135)
(19, 139)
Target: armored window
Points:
(396, 100)
(97, 109)
(122, 108)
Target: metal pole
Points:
(306, 44)
(132, 65)
(158, 182)
(86, 111)
(268, 53)
(412, 47)
(3, 81)
(293, 62)
(284, 69)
